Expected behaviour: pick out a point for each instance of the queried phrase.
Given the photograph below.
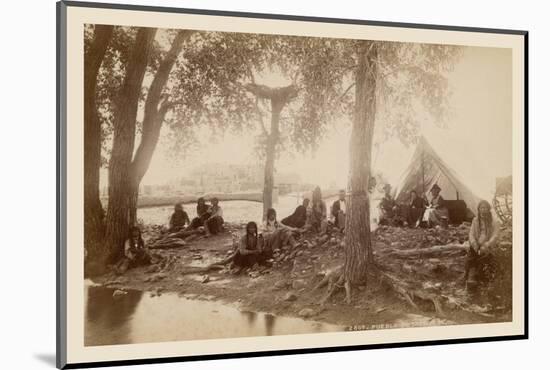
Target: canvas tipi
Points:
(427, 168)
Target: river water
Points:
(239, 211)
(137, 317)
(233, 211)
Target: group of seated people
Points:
(208, 216)
(257, 245)
(417, 212)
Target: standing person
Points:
(318, 216)
(135, 252)
(388, 207)
(299, 217)
(203, 213)
(338, 210)
(416, 209)
(214, 224)
(436, 213)
(483, 237)
(179, 218)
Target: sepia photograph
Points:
(241, 184)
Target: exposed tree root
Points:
(168, 243)
(212, 267)
(334, 279)
(410, 295)
(438, 250)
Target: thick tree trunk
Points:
(93, 211)
(358, 242)
(153, 119)
(123, 142)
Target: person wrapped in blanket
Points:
(415, 209)
(483, 237)
(214, 223)
(436, 214)
(179, 219)
(317, 217)
(203, 213)
(299, 217)
(388, 207)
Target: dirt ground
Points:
(429, 283)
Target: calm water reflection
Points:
(139, 318)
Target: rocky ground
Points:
(419, 281)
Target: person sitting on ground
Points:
(203, 213)
(317, 219)
(276, 234)
(214, 223)
(299, 217)
(179, 219)
(388, 207)
(483, 237)
(258, 249)
(270, 224)
(436, 214)
(415, 209)
(135, 252)
(250, 250)
(338, 211)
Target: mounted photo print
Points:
(235, 184)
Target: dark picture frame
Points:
(62, 201)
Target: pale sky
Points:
(477, 142)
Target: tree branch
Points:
(345, 92)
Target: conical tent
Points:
(426, 169)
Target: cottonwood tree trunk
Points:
(358, 248)
(153, 118)
(93, 211)
(272, 140)
(279, 98)
(123, 142)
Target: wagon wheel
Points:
(502, 205)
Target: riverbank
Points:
(407, 259)
(147, 201)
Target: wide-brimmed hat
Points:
(436, 187)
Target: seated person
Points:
(299, 217)
(276, 234)
(271, 224)
(179, 219)
(388, 207)
(415, 209)
(258, 248)
(251, 248)
(214, 223)
(317, 219)
(436, 214)
(338, 211)
(483, 237)
(135, 252)
(203, 213)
